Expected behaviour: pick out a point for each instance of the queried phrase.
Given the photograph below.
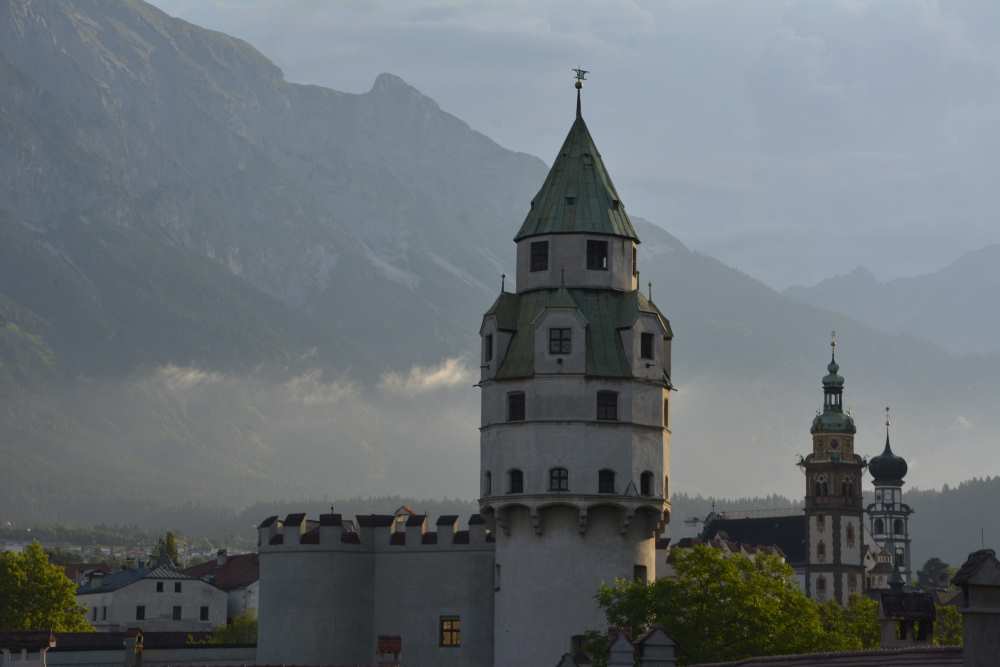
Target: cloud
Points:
(180, 378)
(310, 389)
(420, 379)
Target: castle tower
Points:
(888, 516)
(833, 498)
(575, 381)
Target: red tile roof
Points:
(237, 572)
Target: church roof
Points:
(605, 311)
(788, 533)
(577, 196)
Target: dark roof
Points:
(606, 311)
(238, 571)
(887, 467)
(122, 578)
(476, 519)
(577, 195)
(415, 520)
(447, 519)
(268, 521)
(330, 520)
(74, 570)
(972, 564)
(788, 533)
(375, 520)
(461, 537)
(32, 640)
(909, 605)
(295, 519)
(662, 543)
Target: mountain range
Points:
(217, 286)
(949, 307)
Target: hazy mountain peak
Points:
(394, 87)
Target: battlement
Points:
(372, 532)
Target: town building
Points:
(237, 575)
(158, 597)
(574, 444)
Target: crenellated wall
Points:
(330, 587)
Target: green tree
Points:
(721, 607)
(948, 626)
(37, 595)
(242, 630)
(934, 575)
(166, 549)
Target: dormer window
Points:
(560, 340)
(540, 256)
(570, 200)
(646, 346)
(597, 255)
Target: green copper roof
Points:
(605, 311)
(577, 195)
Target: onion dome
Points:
(887, 468)
(833, 377)
(833, 419)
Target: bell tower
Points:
(574, 437)
(889, 516)
(833, 504)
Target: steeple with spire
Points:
(833, 496)
(889, 516)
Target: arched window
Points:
(897, 527)
(847, 486)
(850, 536)
(821, 551)
(607, 405)
(558, 479)
(606, 481)
(515, 481)
(666, 486)
(879, 526)
(487, 483)
(821, 486)
(646, 484)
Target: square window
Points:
(177, 587)
(646, 345)
(540, 256)
(176, 613)
(639, 574)
(515, 483)
(140, 612)
(450, 631)
(597, 255)
(560, 340)
(204, 613)
(488, 348)
(159, 586)
(515, 406)
(607, 405)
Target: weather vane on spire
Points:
(887, 418)
(581, 76)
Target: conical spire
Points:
(577, 196)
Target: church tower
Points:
(575, 379)
(889, 516)
(833, 498)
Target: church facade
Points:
(574, 476)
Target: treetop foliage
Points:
(37, 595)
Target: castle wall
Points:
(327, 591)
(556, 575)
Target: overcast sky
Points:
(794, 140)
